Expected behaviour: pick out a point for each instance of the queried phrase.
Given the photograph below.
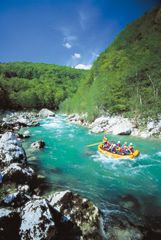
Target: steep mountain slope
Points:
(126, 77)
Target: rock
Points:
(15, 199)
(70, 116)
(32, 158)
(145, 134)
(9, 224)
(21, 136)
(24, 189)
(123, 128)
(80, 211)
(100, 121)
(150, 125)
(135, 132)
(27, 133)
(78, 119)
(11, 150)
(38, 144)
(24, 122)
(18, 173)
(97, 129)
(46, 113)
(114, 120)
(41, 221)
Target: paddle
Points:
(93, 144)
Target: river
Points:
(118, 187)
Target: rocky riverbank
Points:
(119, 125)
(23, 213)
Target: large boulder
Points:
(11, 150)
(18, 173)
(46, 113)
(123, 128)
(9, 224)
(41, 221)
(80, 211)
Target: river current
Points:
(118, 187)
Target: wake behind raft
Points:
(117, 154)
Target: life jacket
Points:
(118, 145)
(105, 140)
(122, 149)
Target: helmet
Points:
(125, 142)
(118, 141)
(130, 143)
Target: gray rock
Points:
(46, 113)
(145, 134)
(26, 133)
(41, 221)
(15, 199)
(123, 128)
(150, 125)
(18, 173)
(38, 144)
(97, 129)
(11, 150)
(80, 211)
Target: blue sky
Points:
(71, 33)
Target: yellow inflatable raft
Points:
(115, 155)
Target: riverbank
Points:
(118, 125)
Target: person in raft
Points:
(118, 147)
(106, 143)
(105, 140)
(113, 148)
(131, 148)
(125, 150)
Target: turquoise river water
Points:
(119, 187)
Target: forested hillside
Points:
(27, 85)
(126, 77)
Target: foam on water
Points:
(158, 154)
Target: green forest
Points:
(125, 78)
(27, 85)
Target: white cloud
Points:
(67, 45)
(76, 55)
(82, 66)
